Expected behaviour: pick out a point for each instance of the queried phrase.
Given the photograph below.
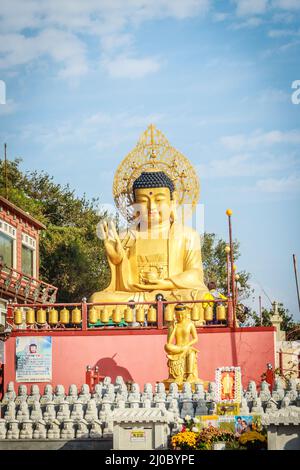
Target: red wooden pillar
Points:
(160, 315)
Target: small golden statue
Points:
(157, 254)
(182, 355)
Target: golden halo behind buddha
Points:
(153, 152)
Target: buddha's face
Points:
(153, 205)
(180, 315)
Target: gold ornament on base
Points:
(181, 354)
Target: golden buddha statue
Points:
(157, 254)
(182, 355)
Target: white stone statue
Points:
(73, 394)
(40, 431)
(63, 412)
(22, 394)
(68, 429)
(23, 412)
(26, 429)
(54, 429)
(12, 429)
(82, 429)
(10, 394)
(34, 394)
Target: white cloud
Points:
(247, 165)
(242, 142)
(290, 184)
(104, 130)
(286, 4)
(278, 33)
(60, 30)
(129, 67)
(250, 7)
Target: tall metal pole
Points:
(296, 277)
(5, 173)
(229, 214)
(260, 310)
(227, 251)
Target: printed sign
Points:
(137, 435)
(34, 359)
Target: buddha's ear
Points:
(173, 214)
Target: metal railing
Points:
(25, 287)
(86, 316)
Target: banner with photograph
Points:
(34, 359)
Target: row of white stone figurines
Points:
(55, 416)
(109, 393)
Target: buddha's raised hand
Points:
(112, 242)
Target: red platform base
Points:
(139, 356)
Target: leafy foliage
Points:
(71, 255)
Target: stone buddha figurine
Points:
(182, 355)
(157, 254)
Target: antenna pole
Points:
(296, 278)
(5, 172)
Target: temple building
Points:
(19, 258)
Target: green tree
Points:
(71, 255)
(288, 324)
(214, 260)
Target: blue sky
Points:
(85, 78)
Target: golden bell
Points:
(221, 312)
(30, 316)
(152, 315)
(128, 315)
(105, 315)
(208, 313)
(76, 316)
(64, 316)
(53, 316)
(18, 320)
(140, 315)
(169, 313)
(41, 316)
(93, 315)
(195, 313)
(117, 315)
(201, 313)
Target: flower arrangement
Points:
(184, 440)
(253, 440)
(208, 436)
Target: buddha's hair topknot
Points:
(154, 179)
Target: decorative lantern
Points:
(140, 315)
(18, 316)
(41, 316)
(208, 313)
(53, 316)
(152, 315)
(221, 313)
(195, 313)
(93, 315)
(76, 316)
(169, 313)
(30, 316)
(128, 315)
(64, 316)
(105, 315)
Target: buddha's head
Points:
(154, 198)
(180, 312)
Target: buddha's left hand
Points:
(164, 284)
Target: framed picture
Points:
(228, 384)
(229, 408)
